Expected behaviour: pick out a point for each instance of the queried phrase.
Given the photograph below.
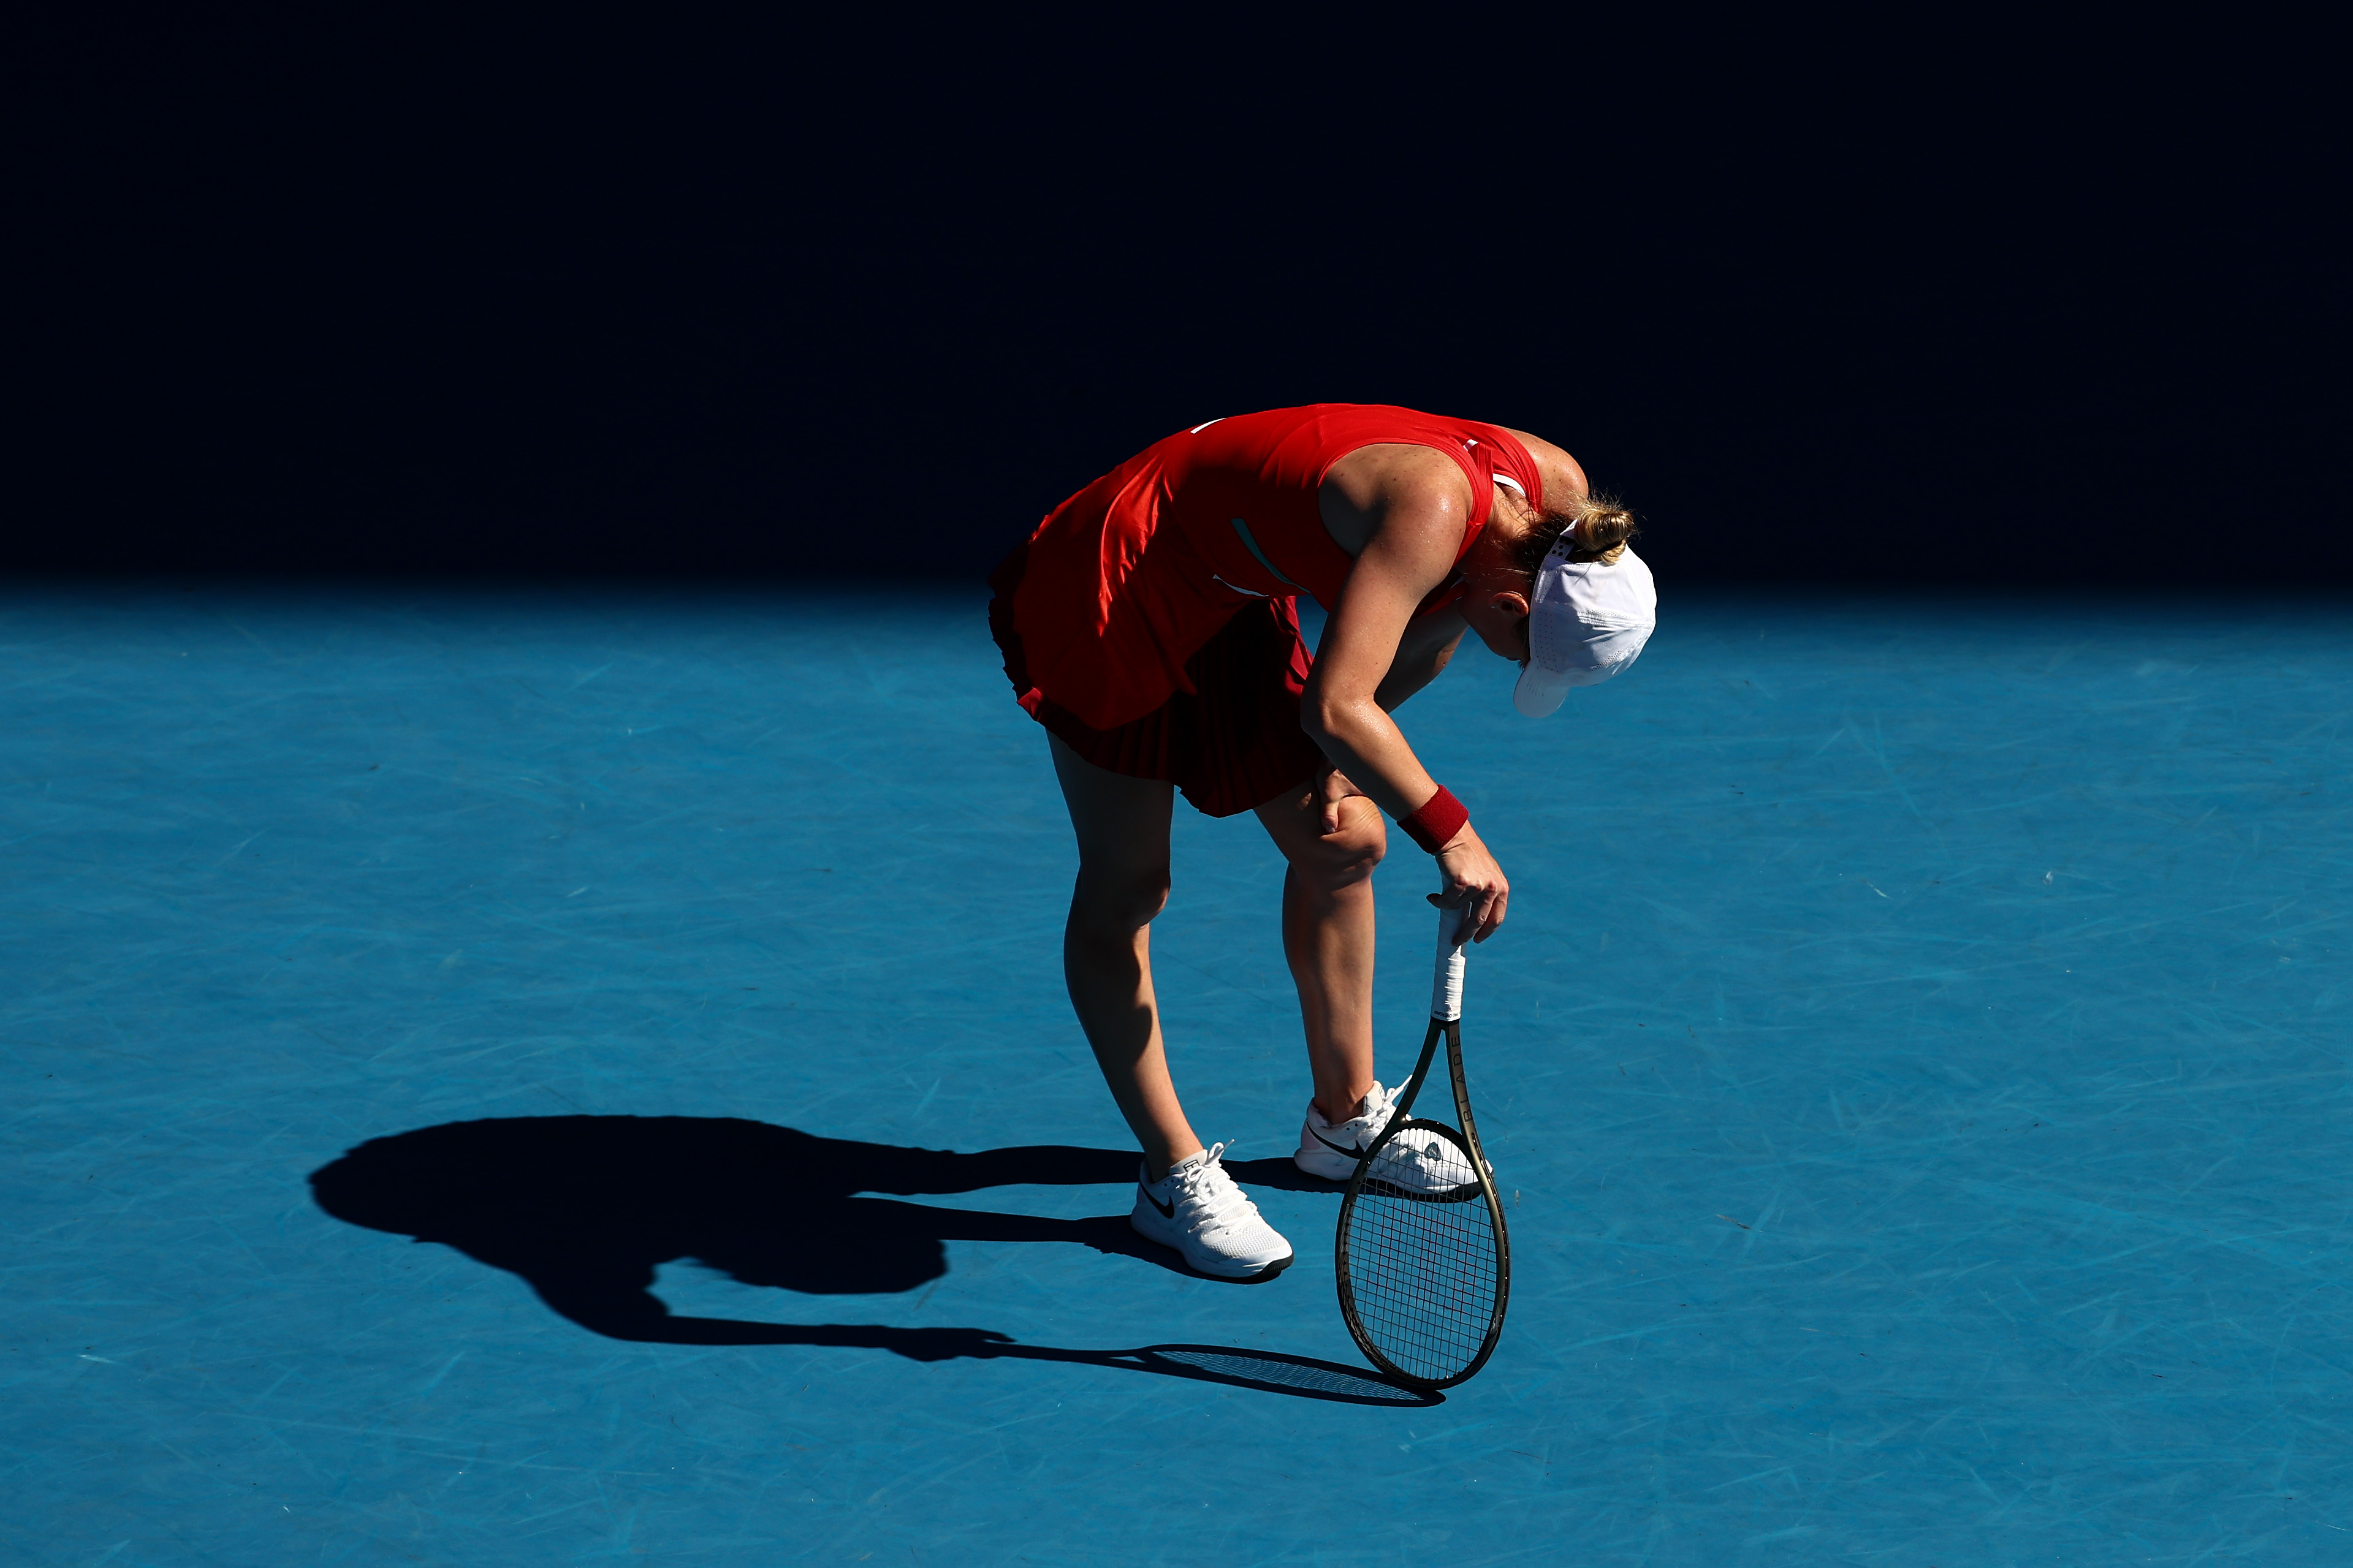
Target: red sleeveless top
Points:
(1127, 579)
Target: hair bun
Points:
(1592, 528)
(1601, 529)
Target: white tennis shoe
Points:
(1415, 1160)
(1332, 1152)
(1196, 1209)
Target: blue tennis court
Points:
(559, 1078)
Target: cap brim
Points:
(1539, 691)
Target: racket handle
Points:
(1446, 990)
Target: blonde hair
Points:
(1596, 527)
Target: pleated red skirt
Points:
(1231, 743)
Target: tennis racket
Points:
(1424, 1259)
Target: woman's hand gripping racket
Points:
(1424, 1261)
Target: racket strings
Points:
(1423, 1270)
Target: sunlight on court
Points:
(1913, 1069)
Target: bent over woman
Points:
(1150, 625)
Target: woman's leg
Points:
(1123, 828)
(1327, 935)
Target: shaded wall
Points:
(870, 296)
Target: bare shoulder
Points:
(1393, 483)
(1563, 476)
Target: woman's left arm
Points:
(1416, 544)
(1425, 650)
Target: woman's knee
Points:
(1123, 900)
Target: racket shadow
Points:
(584, 1209)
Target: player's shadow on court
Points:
(584, 1208)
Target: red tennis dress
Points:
(1151, 620)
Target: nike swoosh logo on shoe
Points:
(1350, 1150)
(1167, 1210)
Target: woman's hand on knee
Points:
(1331, 790)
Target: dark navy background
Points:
(1930, 302)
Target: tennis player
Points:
(1150, 625)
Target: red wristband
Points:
(1437, 819)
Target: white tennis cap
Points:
(1587, 623)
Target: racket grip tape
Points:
(1446, 988)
